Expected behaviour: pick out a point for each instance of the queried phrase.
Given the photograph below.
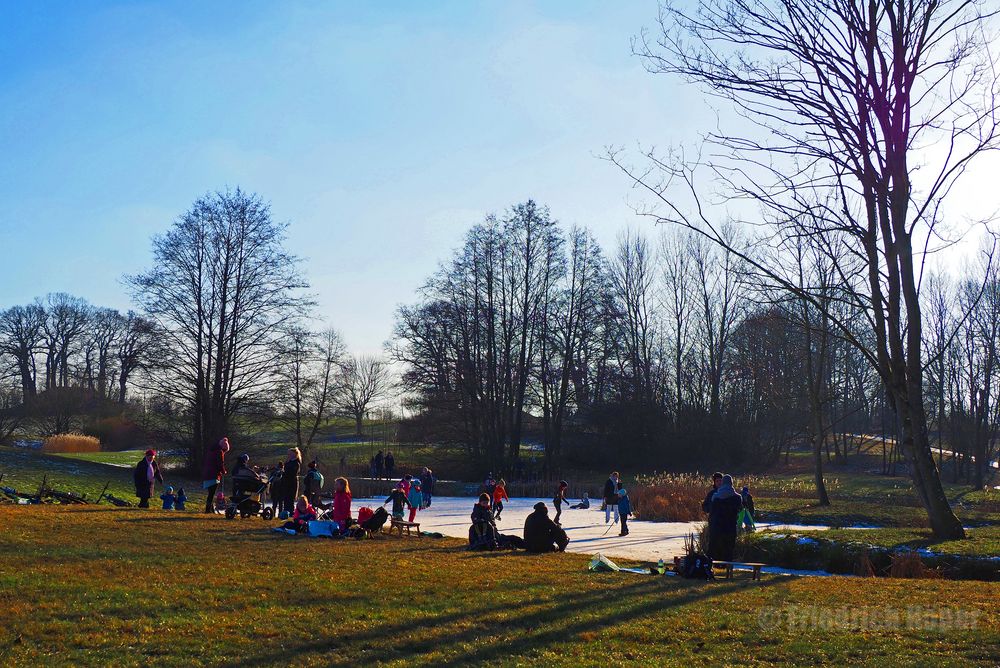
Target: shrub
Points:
(71, 443)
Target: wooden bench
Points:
(728, 565)
(403, 525)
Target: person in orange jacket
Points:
(499, 496)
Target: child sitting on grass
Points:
(499, 496)
(220, 501)
(303, 515)
(398, 498)
(181, 499)
(168, 497)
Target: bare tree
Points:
(365, 380)
(846, 94)
(221, 292)
(21, 337)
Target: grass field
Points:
(103, 586)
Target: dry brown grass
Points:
(669, 497)
(909, 565)
(71, 443)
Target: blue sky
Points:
(380, 131)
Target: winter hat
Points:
(312, 465)
(563, 483)
(746, 490)
(622, 492)
(541, 506)
(415, 482)
(727, 480)
(150, 453)
(224, 444)
(244, 458)
(170, 490)
(717, 475)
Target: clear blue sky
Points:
(380, 131)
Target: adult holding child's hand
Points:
(146, 473)
(212, 471)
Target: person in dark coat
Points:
(377, 463)
(427, 478)
(541, 534)
(390, 464)
(146, 473)
(609, 498)
(723, 513)
(483, 532)
(212, 470)
(290, 481)
(716, 481)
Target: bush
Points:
(71, 443)
(117, 433)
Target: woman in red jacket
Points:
(212, 471)
(341, 502)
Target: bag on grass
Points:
(696, 566)
(364, 513)
(376, 521)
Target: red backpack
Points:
(364, 513)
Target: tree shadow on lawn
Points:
(536, 630)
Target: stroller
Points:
(249, 488)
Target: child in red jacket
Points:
(499, 496)
(303, 515)
(341, 503)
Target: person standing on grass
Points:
(146, 473)
(377, 463)
(290, 480)
(716, 482)
(390, 464)
(724, 509)
(312, 485)
(341, 503)
(212, 470)
(609, 499)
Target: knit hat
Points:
(541, 506)
(746, 489)
(170, 490)
(622, 492)
(150, 453)
(224, 444)
(415, 482)
(312, 464)
(244, 458)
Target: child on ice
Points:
(559, 500)
(499, 496)
(624, 509)
(415, 498)
(398, 499)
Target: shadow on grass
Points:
(560, 618)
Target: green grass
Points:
(980, 542)
(103, 586)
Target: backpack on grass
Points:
(696, 566)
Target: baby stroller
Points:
(249, 488)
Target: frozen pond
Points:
(647, 541)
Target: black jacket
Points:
(290, 478)
(748, 503)
(539, 532)
(144, 488)
(610, 493)
(706, 505)
(480, 514)
(723, 513)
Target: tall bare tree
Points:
(365, 380)
(222, 291)
(848, 94)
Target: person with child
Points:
(723, 511)
(212, 470)
(145, 476)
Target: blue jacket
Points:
(624, 506)
(168, 501)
